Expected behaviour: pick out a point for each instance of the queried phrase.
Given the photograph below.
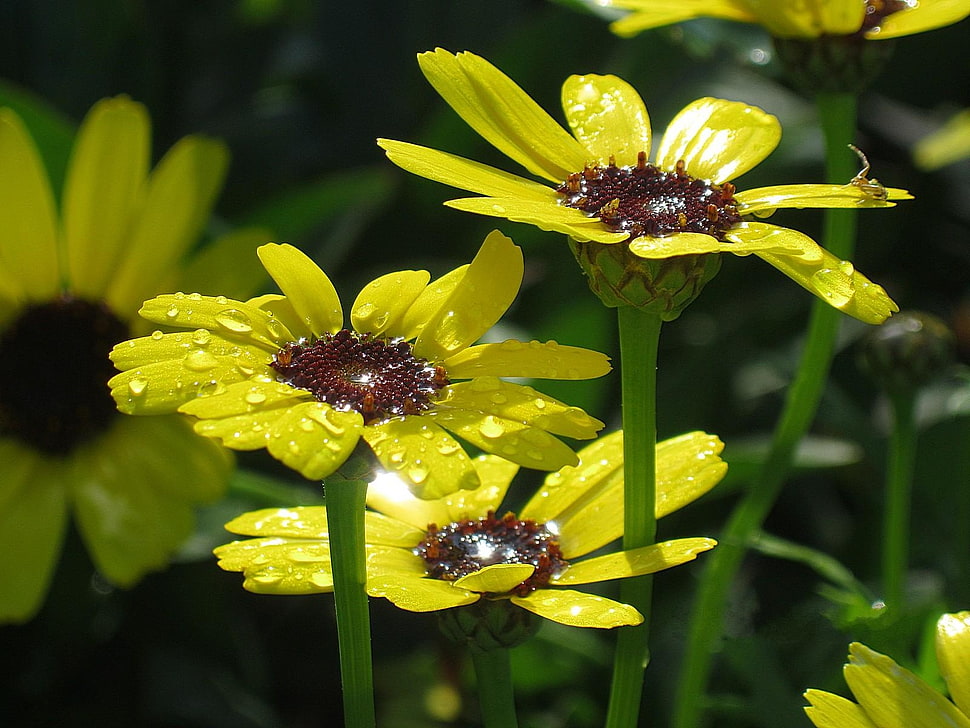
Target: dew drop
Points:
(222, 300)
(255, 396)
(275, 329)
(137, 386)
(266, 579)
(157, 335)
(499, 398)
(172, 312)
(397, 456)
(539, 403)
(199, 360)
(306, 425)
(293, 447)
(201, 337)
(418, 473)
(491, 427)
(234, 320)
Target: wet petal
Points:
(688, 466)
(645, 560)
(834, 711)
(487, 289)
(953, 656)
(919, 18)
(429, 302)
(669, 246)
(502, 113)
(546, 215)
(159, 347)
(496, 579)
(768, 199)
(648, 14)
(382, 303)
(282, 309)
(608, 117)
(416, 594)
(758, 237)
(279, 565)
(392, 496)
(578, 609)
(718, 140)
(496, 475)
(314, 439)
(534, 360)
(305, 286)
(304, 522)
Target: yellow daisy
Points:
(889, 695)
(70, 281)
(872, 19)
(282, 372)
(605, 192)
(428, 555)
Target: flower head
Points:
(890, 695)
(282, 372)
(609, 198)
(429, 555)
(70, 281)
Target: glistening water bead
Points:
(645, 200)
(380, 378)
(464, 547)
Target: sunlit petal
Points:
(834, 711)
(544, 214)
(648, 14)
(608, 116)
(953, 656)
(919, 18)
(768, 199)
(578, 609)
(382, 303)
(416, 594)
(305, 286)
(313, 438)
(496, 579)
(645, 560)
(534, 360)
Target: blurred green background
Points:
(299, 91)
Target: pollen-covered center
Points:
(54, 370)
(464, 547)
(645, 200)
(380, 378)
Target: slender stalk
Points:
(899, 485)
(837, 114)
(639, 338)
(345, 523)
(493, 673)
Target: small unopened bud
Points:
(908, 351)
(488, 624)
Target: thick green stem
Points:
(493, 673)
(837, 114)
(345, 523)
(899, 484)
(639, 337)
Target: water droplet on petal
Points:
(157, 335)
(137, 386)
(234, 320)
(201, 337)
(491, 427)
(199, 360)
(172, 312)
(418, 473)
(255, 396)
(539, 403)
(306, 425)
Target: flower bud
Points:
(488, 624)
(907, 351)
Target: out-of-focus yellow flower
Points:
(890, 696)
(428, 555)
(282, 372)
(607, 193)
(873, 19)
(948, 144)
(70, 281)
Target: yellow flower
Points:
(281, 372)
(948, 144)
(873, 19)
(70, 281)
(890, 696)
(606, 192)
(428, 555)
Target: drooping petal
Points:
(953, 656)
(28, 220)
(919, 18)
(763, 200)
(489, 286)
(534, 360)
(544, 214)
(648, 14)
(644, 560)
(305, 286)
(496, 579)
(177, 202)
(493, 105)
(313, 438)
(104, 185)
(718, 140)
(381, 304)
(416, 594)
(278, 565)
(578, 609)
(418, 451)
(834, 711)
(893, 696)
(608, 117)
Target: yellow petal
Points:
(305, 286)
(416, 594)
(919, 18)
(160, 347)
(177, 202)
(281, 308)
(950, 143)
(489, 286)
(228, 266)
(791, 21)
(688, 466)
(421, 453)
(28, 219)
(718, 140)
(758, 237)
(838, 17)
(465, 174)
(578, 609)
(303, 522)
(608, 117)
(953, 656)
(494, 106)
(546, 215)
(382, 303)
(314, 439)
(383, 560)
(644, 560)
(496, 475)
(669, 246)
(429, 301)
(392, 496)
(496, 579)
(894, 697)
(833, 711)
(535, 360)
(104, 184)
(279, 565)
(768, 199)
(649, 14)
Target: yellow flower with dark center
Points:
(890, 695)
(429, 555)
(70, 281)
(871, 19)
(282, 372)
(605, 192)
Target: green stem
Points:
(639, 338)
(493, 673)
(345, 523)
(899, 483)
(837, 113)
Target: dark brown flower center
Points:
(380, 378)
(54, 370)
(645, 200)
(878, 10)
(464, 547)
